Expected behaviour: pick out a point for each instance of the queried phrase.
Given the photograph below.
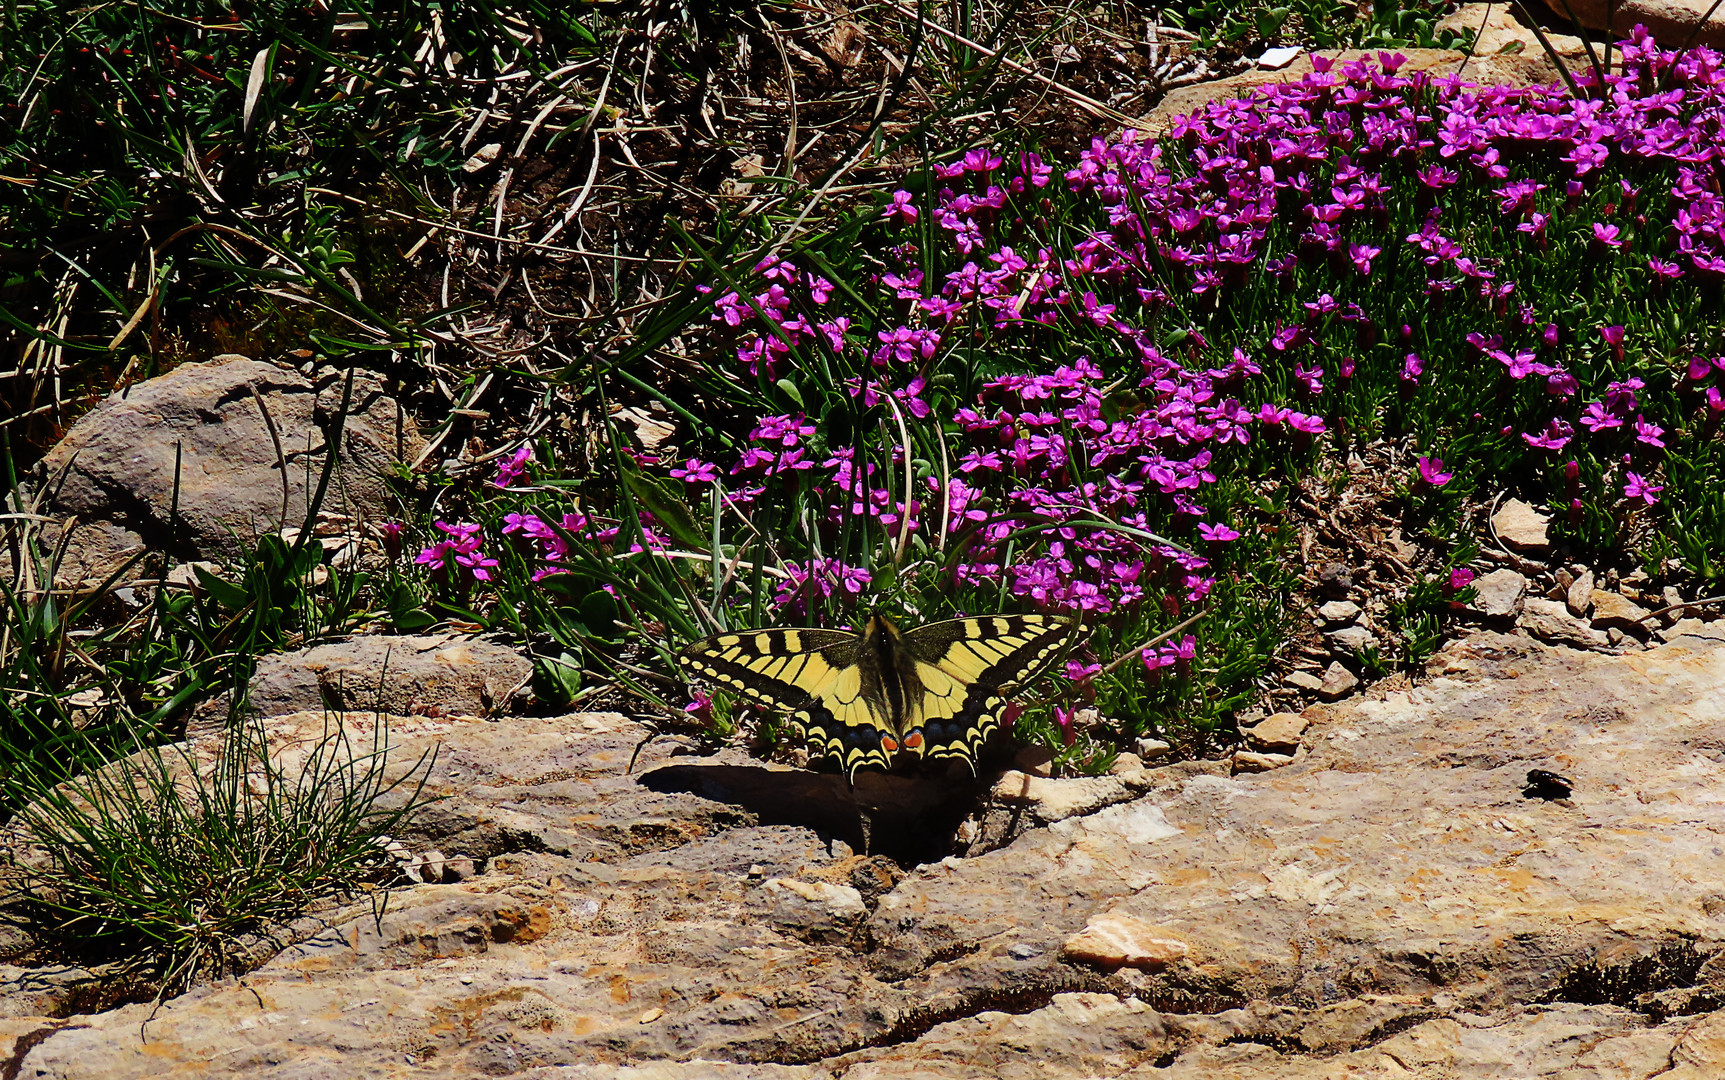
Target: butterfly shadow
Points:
(910, 816)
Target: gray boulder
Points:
(113, 475)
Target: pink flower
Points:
(1078, 670)
(1554, 438)
(1063, 719)
(1606, 235)
(1362, 256)
(903, 207)
(1460, 578)
(1218, 533)
(696, 471)
(1635, 487)
(1431, 472)
(513, 468)
(700, 709)
(1412, 368)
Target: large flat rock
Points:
(1388, 904)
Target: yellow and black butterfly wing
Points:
(823, 679)
(963, 668)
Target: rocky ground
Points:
(1368, 886)
(1395, 900)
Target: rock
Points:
(1673, 23)
(1495, 30)
(1580, 595)
(1350, 640)
(1521, 527)
(840, 901)
(405, 675)
(1118, 940)
(1614, 636)
(1248, 761)
(1530, 67)
(1389, 905)
(114, 470)
(48, 990)
(1334, 581)
(1150, 749)
(1051, 800)
(1278, 734)
(1338, 682)
(1279, 57)
(1611, 610)
(1339, 612)
(1126, 765)
(1551, 621)
(1671, 599)
(1693, 628)
(1500, 594)
(1303, 680)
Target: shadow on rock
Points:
(911, 817)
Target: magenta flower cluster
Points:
(459, 558)
(1087, 471)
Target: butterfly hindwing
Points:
(864, 698)
(821, 678)
(965, 665)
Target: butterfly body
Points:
(870, 696)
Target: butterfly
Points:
(868, 696)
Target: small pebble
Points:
(1021, 951)
(1149, 749)
(1337, 612)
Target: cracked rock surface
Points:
(1389, 904)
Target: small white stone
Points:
(1337, 612)
(1279, 57)
(1149, 749)
(1114, 939)
(1338, 682)
(1521, 527)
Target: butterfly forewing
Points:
(863, 698)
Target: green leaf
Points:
(671, 511)
(599, 612)
(413, 620)
(225, 592)
(791, 391)
(558, 677)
